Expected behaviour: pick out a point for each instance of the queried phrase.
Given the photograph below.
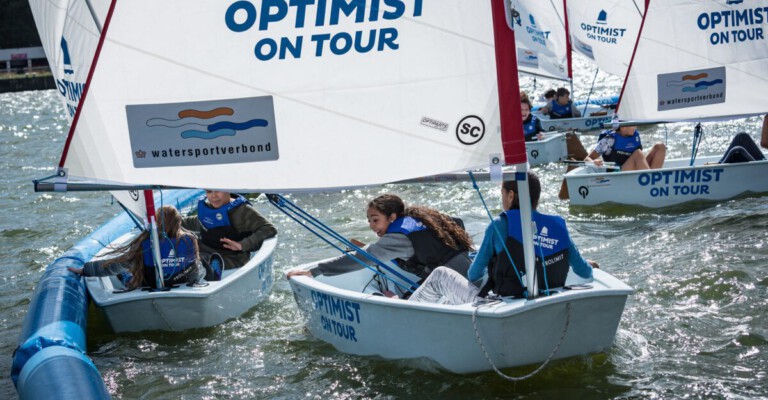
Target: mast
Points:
(632, 60)
(103, 34)
(155, 240)
(512, 138)
(568, 55)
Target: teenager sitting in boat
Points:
(561, 254)
(229, 228)
(744, 149)
(561, 106)
(622, 146)
(419, 238)
(531, 124)
(179, 256)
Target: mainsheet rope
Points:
(297, 214)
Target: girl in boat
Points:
(419, 238)
(531, 124)
(622, 146)
(178, 252)
(504, 277)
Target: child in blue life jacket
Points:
(419, 238)
(179, 256)
(622, 146)
(552, 241)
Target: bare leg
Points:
(764, 137)
(656, 156)
(635, 162)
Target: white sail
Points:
(69, 36)
(605, 31)
(248, 96)
(70, 31)
(699, 60)
(540, 38)
(134, 201)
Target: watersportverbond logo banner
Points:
(242, 16)
(602, 31)
(691, 88)
(527, 58)
(203, 132)
(732, 26)
(583, 48)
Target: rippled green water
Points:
(697, 326)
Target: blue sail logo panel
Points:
(203, 132)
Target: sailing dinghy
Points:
(544, 50)
(183, 307)
(694, 62)
(348, 311)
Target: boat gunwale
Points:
(104, 298)
(610, 287)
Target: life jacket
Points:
(176, 257)
(529, 128)
(623, 146)
(215, 223)
(558, 110)
(550, 240)
(429, 252)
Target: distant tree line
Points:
(17, 26)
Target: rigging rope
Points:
(503, 242)
(591, 88)
(296, 213)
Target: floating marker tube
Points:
(50, 361)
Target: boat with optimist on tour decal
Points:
(603, 32)
(686, 61)
(288, 96)
(348, 310)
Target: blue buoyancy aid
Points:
(531, 128)
(176, 255)
(623, 146)
(429, 251)
(558, 110)
(551, 240)
(215, 222)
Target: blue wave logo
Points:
(199, 129)
(695, 83)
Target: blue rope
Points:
(503, 242)
(287, 207)
(697, 135)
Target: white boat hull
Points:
(552, 148)
(514, 332)
(186, 307)
(675, 183)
